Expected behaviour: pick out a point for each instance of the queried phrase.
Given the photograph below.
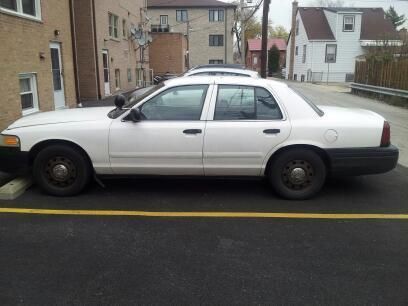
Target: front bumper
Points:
(361, 161)
(13, 160)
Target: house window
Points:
(216, 15)
(331, 53)
(216, 40)
(304, 54)
(255, 60)
(181, 15)
(348, 23)
(297, 26)
(113, 25)
(124, 29)
(24, 8)
(295, 77)
(216, 61)
(164, 19)
(28, 93)
(129, 75)
(117, 78)
(296, 50)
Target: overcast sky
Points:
(280, 10)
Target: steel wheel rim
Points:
(60, 171)
(297, 174)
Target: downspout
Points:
(225, 35)
(74, 50)
(98, 83)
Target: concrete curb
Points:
(15, 188)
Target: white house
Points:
(326, 41)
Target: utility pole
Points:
(242, 17)
(264, 51)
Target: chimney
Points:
(292, 40)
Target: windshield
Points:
(311, 104)
(134, 98)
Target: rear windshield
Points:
(308, 101)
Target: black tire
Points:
(297, 174)
(61, 170)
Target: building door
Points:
(105, 60)
(57, 75)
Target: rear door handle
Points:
(271, 131)
(192, 131)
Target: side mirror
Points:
(120, 100)
(134, 115)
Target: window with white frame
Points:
(117, 79)
(24, 8)
(181, 15)
(113, 25)
(296, 50)
(216, 15)
(164, 19)
(28, 93)
(348, 23)
(331, 53)
(255, 60)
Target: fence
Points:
(392, 74)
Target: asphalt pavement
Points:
(175, 260)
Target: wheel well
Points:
(322, 153)
(43, 144)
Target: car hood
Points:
(63, 116)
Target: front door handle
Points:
(271, 131)
(192, 131)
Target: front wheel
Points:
(297, 174)
(61, 170)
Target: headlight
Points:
(9, 141)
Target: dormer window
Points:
(348, 24)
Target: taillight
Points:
(386, 135)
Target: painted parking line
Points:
(192, 214)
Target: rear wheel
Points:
(297, 174)
(61, 170)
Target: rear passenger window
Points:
(245, 103)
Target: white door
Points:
(169, 139)
(247, 124)
(106, 75)
(57, 75)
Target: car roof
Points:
(230, 70)
(234, 66)
(230, 80)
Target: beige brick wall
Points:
(167, 53)
(123, 52)
(22, 41)
(201, 28)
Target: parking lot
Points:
(212, 241)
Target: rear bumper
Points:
(361, 161)
(13, 160)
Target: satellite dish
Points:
(136, 33)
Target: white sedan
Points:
(202, 126)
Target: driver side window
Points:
(177, 103)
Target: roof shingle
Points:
(256, 43)
(315, 23)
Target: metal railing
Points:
(380, 90)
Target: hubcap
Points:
(297, 174)
(60, 171)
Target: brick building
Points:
(253, 52)
(110, 58)
(36, 58)
(168, 53)
(207, 25)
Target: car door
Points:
(169, 139)
(245, 124)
